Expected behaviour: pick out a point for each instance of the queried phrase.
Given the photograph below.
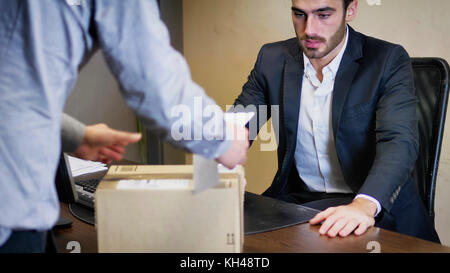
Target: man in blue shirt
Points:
(43, 44)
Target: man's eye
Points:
(299, 15)
(324, 15)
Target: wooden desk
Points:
(298, 239)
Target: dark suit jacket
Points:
(373, 112)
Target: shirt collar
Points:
(333, 66)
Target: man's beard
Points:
(335, 40)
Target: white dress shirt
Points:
(315, 153)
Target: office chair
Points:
(431, 76)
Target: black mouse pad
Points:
(262, 213)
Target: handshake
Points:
(237, 153)
(101, 143)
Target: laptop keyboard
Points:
(89, 185)
(86, 190)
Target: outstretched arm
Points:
(95, 142)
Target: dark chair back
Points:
(431, 76)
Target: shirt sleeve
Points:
(155, 78)
(72, 133)
(365, 196)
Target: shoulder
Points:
(275, 54)
(286, 48)
(283, 46)
(376, 48)
(375, 54)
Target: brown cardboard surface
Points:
(173, 220)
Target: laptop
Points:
(79, 191)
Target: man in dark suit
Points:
(347, 122)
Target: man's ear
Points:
(351, 11)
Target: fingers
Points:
(363, 228)
(329, 222)
(104, 144)
(337, 227)
(237, 153)
(117, 149)
(343, 221)
(102, 135)
(109, 154)
(348, 228)
(104, 160)
(125, 138)
(322, 216)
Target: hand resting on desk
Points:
(355, 217)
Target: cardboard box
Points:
(164, 214)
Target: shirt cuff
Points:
(370, 198)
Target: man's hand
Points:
(237, 153)
(343, 220)
(102, 143)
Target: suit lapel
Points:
(344, 78)
(292, 85)
(342, 85)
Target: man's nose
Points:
(310, 27)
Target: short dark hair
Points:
(346, 3)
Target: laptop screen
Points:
(65, 184)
